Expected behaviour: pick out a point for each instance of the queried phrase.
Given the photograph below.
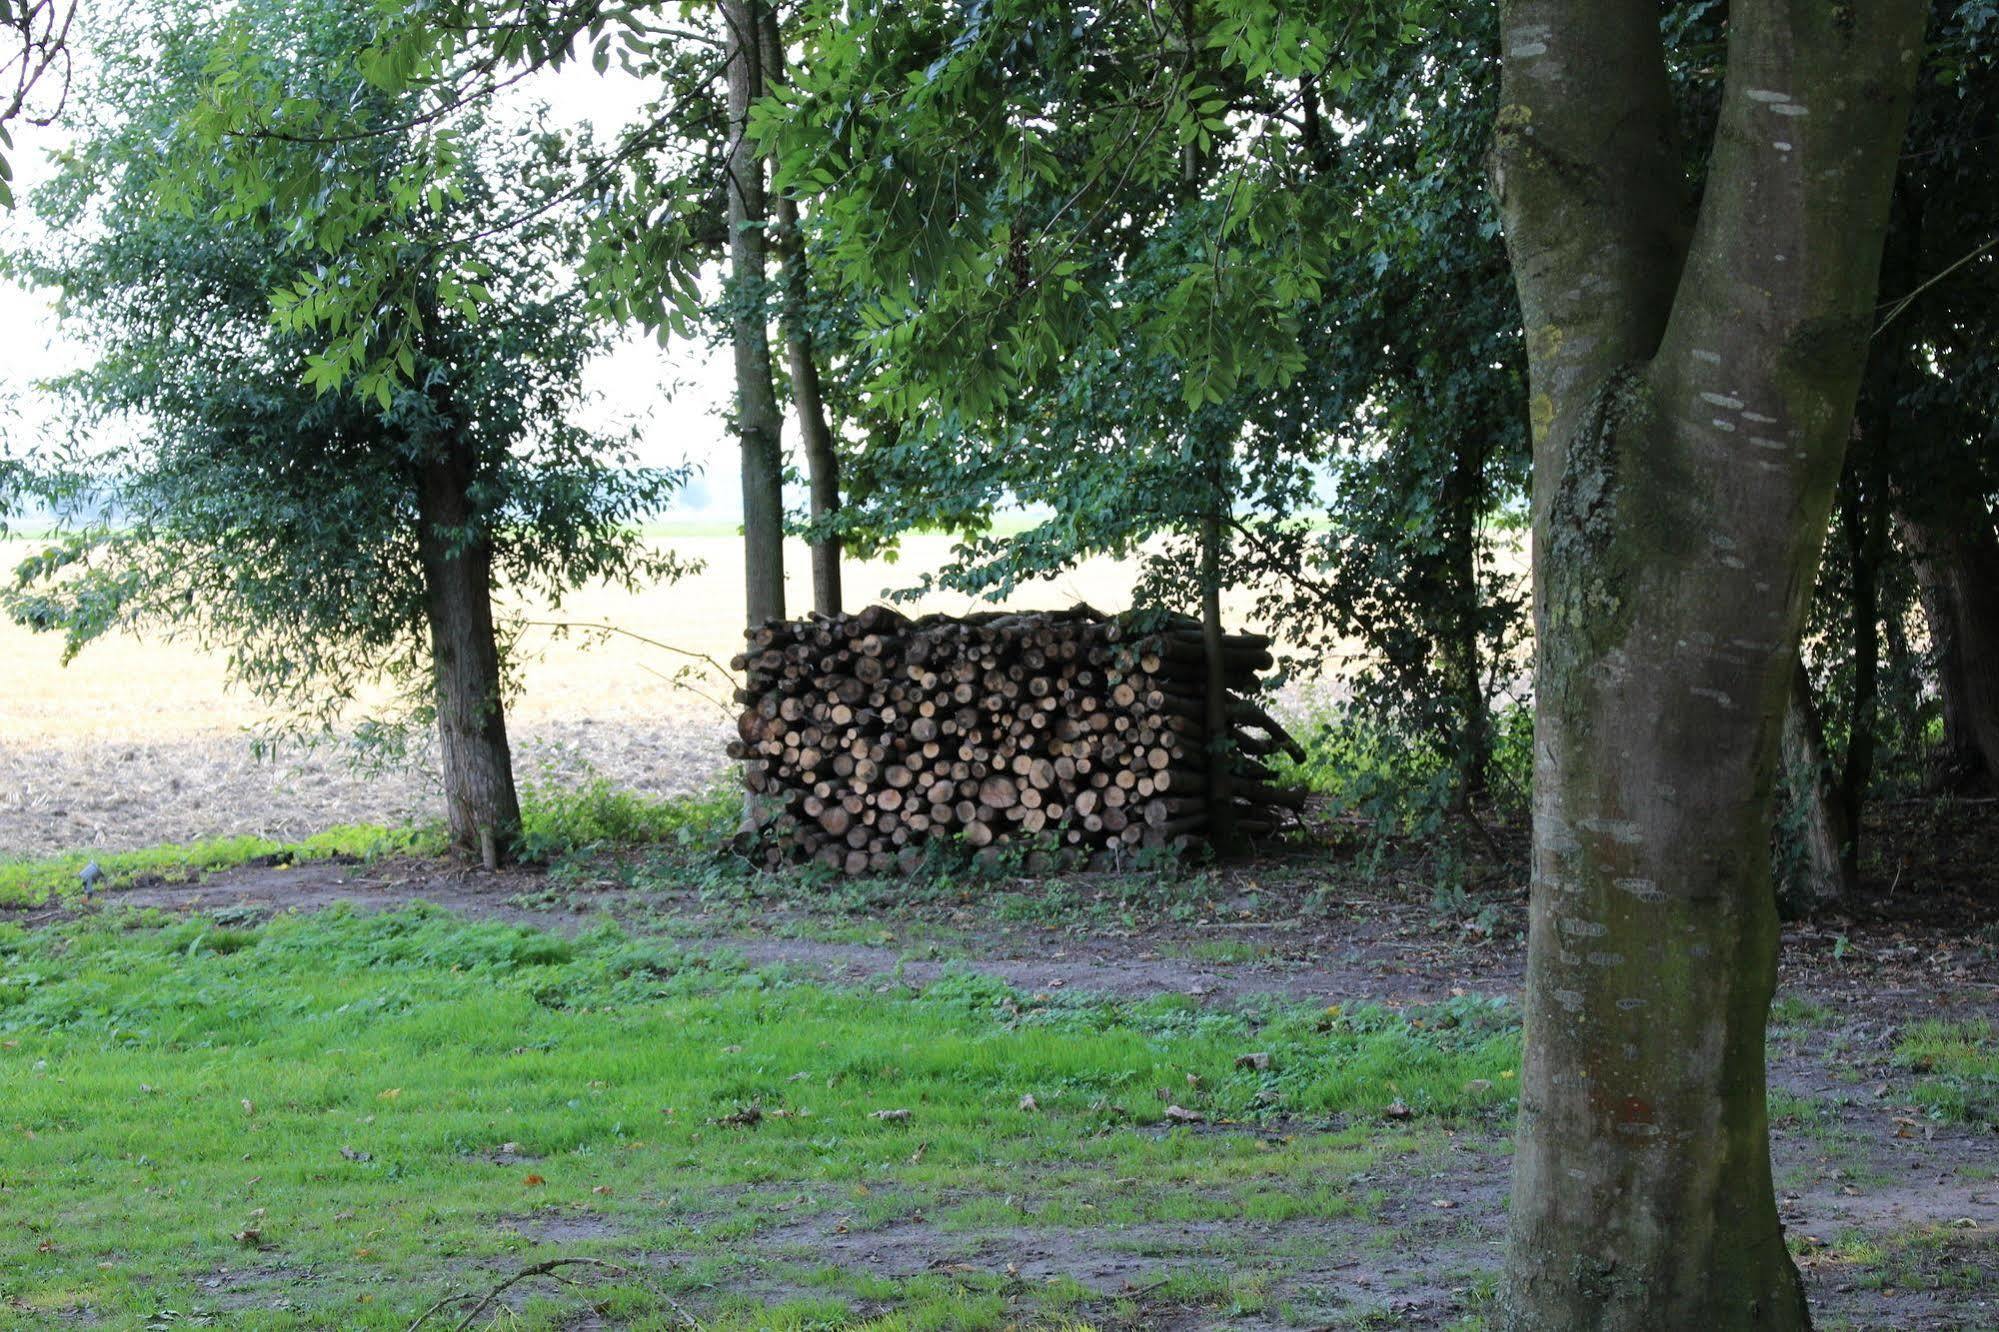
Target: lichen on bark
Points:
(1585, 586)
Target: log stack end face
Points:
(1068, 735)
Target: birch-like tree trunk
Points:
(808, 401)
(1693, 381)
(759, 424)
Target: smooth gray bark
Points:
(808, 401)
(758, 422)
(1693, 381)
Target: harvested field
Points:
(139, 742)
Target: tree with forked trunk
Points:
(1694, 361)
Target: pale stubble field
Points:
(140, 741)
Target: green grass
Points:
(397, 1104)
(1931, 1257)
(31, 881)
(1959, 1064)
(1791, 1013)
(556, 822)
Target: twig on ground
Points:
(550, 1268)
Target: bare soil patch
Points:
(114, 796)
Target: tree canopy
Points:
(259, 506)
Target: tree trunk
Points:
(1464, 679)
(758, 422)
(1825, 875)
(1864, 520)
(480, 801)
(1691, 394)
(1221, 758)
(1956, 559)
(822, 459)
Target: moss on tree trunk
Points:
(1693, 378)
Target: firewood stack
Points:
(1077, 736)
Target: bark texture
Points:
(1957, 576)
(1823, 877)
(1865, 522)
(808, 401)
(1222, 830)
(481, 803)
(1693, 378)
(759, 425)
(1463, 671)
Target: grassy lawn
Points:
(335, 1120)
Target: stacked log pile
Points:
(1071, 735)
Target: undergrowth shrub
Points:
(559, 820)
(1400, 779)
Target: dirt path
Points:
(1390, 954)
